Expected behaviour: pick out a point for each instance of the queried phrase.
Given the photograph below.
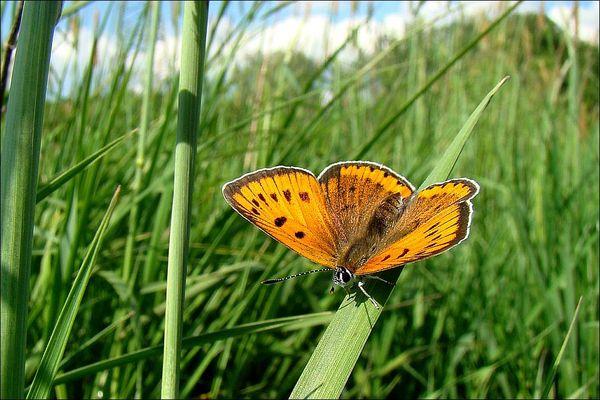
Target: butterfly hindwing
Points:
(435, 219)
(353, 190)
(287, 204)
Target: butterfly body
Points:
(357, 218)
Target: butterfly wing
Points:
(435, 219)
(353, 190)
(288, 205)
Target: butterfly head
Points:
(342, 276)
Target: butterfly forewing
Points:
(353, 190)
(287, 203)
(435, 219)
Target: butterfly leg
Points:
(378, 278)
(362, 289)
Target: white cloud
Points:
(563, 16)
(72, 53)
(314, 33)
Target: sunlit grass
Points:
(487, 319)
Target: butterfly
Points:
(357, 218)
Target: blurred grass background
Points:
(484, 320)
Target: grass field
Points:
(495, 317)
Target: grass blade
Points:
(195, 17)
(444, 166)
(440, 73)
(331, 363)
(65, 176)
(550, 378)
(74, 7)
(285, 323)
(44, 376)
(21, 142)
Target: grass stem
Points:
(195, 16)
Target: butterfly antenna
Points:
(277, 280)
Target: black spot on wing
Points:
(280, 221)
(274, 196)
(304, 196)
(288, 195)
(432, 227)
(402, 254)
(299, 234)
(255, 202)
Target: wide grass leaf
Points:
(333, 360)
(21, 143)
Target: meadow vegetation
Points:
(487, 319)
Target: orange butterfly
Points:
(357, 218)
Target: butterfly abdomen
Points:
(386, 215)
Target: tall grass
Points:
(195, 17)
(488, 319)
(20, 159)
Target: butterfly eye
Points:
(346, 277)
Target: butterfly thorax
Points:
(381, 223)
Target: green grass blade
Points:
(444, 166)
(56, 183)
(440, 73)
(74, 7)
(44, 377)
(21, 142)
(195, 17)
(141, 148)
(334, 358)
(285, 323)
(550, 379)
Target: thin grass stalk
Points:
(137, 182)
(563, 347)
(141, 147)
(20, 158)
(74, 7)
(61, 179)
(334, 358)
(195, 17)
(8, 49)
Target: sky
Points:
(315, 28)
